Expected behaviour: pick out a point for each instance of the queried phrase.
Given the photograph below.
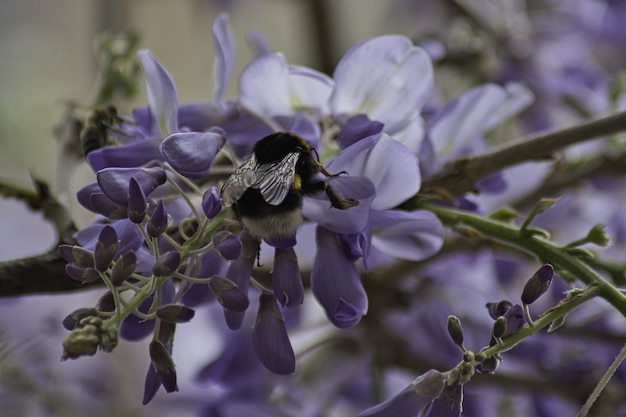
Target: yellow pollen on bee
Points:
(297, 182)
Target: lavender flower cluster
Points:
(164, 246)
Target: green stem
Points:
(556, 312)
(545, 250)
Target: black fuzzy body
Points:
(265, 220)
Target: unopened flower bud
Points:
(123, 268)
(227, 244)
(84, 275)
(137, 202)
(211, 202)
(599, 236)
(79, 256)
(499, 327)
(71, 320)
(488, 366)
(175, 313)
(537, 284)
(164, 365)
(157, 224)
(106, 302)
(106, 248)
(455, 330)
(228, 294)
(498, 309)
(166, 264)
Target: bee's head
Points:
(275, 146)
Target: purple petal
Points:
(239, 272)
(228, 294)
(162, 94)
(137, 203)
(192, 153)
(134, 154)
(224, 45)
(93, 199)
(412, 400)
(114, 181)
(227, 244)
(270, 338)
(286, 280)
(390, 91)
(302, 125)
(211, 202)
(259, 44)
(390, 165)
(106, 248)
(514, 320)
(464, 118)
(151, 384)
(270, 87)
(357, 127)
(336, 283)
(415, 235)
(318, 209)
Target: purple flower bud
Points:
(270, 339)
(84, 275)
(164, 365)
(106, 302)
(79, 256)
(514, 320)
(137, 202)
(157, 224)
(211, 202)
(123, 268)
(336, 283)
(175, 313)
(239, 272)
(227, 244)
(114, 182)
(166, 264)
(72, 319)
(488, 366)
(286, 280)
(537, 284)
(412, 400)
(106, 248)
(228, 294)
(192, 153)
(498, 309)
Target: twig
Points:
(461, 176)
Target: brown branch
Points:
(460, 177)
(40, 274)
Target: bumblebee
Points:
(267, 190)
(95, 132)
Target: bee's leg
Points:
(328, 174)
(337, 201)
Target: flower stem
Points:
(545, 250)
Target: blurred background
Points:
(567, 51)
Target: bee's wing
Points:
(274, 180)
(239, 182)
